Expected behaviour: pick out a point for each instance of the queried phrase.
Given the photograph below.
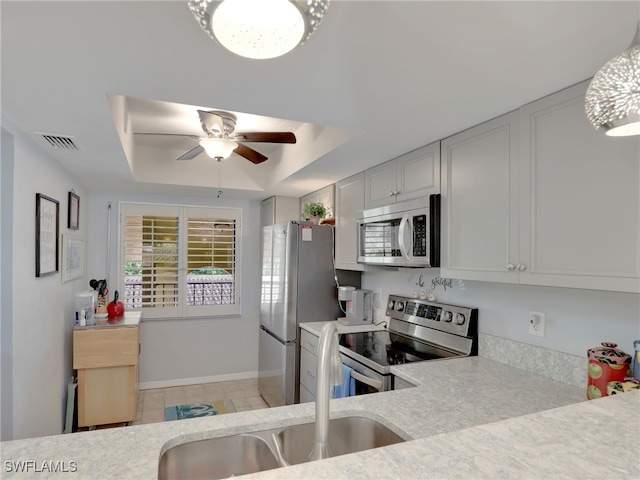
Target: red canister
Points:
(606, 364)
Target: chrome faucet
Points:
(329, 374)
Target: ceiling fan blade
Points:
(250, 154)
(194, 152)
(211, 122)
(269, 137)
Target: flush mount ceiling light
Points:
(612, 101)
(259, 29)
(218, 148)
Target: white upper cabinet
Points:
(349, 200)
(539, 197)
(279, 209)
(412, 175)
(580, 208)
(479, 222)
(324, 196)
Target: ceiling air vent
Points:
(59, 142)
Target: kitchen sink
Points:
(217, 458)
(241, 454)
(346, 435)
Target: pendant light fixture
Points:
(259, 29)
(612, 101)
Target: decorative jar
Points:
(606, 364)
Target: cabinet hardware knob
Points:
(391, 194)
(510, 267)
(521, 267)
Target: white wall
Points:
(575, 319)
(43, 308)
(183, 351)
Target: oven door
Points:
(366, 379)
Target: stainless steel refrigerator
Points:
(298, 285)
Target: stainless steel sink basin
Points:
(217, 458)
(346, 435)
(241, 454)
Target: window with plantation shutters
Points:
(180, 261)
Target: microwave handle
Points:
(405, 224)
(366, 380)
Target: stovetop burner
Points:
(388, 348)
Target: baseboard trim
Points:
(181, 382)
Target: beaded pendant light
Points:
(612, 101)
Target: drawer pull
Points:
(310, 374)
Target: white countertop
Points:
(468, 418)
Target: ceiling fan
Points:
(221, 141)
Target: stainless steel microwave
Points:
(405, 234)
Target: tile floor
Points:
(243, 393)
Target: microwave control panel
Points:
(420, 236)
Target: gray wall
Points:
(575, 319)
(184, 351)
(6, 287)
(41, 310)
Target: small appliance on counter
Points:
(86, 304)
(606, 364)
(357, 306)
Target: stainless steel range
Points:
(418, 330)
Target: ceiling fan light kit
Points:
(612, 101)
(218, 148)
(259, 29)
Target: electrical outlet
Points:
(537, 323)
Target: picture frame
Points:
(73, 217)
(47, 233)
(72, 257)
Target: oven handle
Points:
(366, 380)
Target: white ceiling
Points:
(378, 79)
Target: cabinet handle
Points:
(521, 267)
(510, 267)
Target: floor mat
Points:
(180, 412)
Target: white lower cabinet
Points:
(308, 366)
(539, 197)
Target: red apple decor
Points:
(115, 308)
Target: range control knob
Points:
(458, 318)
(391, 304)
(446, 316)
(399, 306)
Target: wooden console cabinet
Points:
(106, 359)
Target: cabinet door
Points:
(380, 185)
(324, 196)
(580, 217)
(308, 370)
(418, 173)
(279, 209)
(480, 202)
(349, 199)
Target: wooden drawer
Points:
(105, 347)
(309, 341)
(308, 370)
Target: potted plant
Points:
(314, 212)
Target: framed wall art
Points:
(72, 257)
(73, 218)
(47, 232)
